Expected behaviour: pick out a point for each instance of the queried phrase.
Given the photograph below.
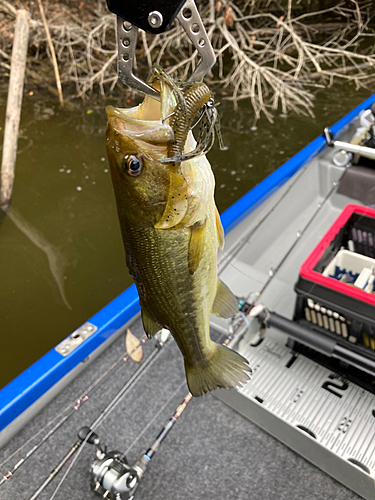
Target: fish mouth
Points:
(113, 112)
(149, 121)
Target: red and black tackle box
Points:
(336, 285)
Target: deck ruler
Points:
(320, 415)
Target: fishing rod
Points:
(86, 434)
(273, 271)
(229, 255)
(251, 308)
(111, 475)
(226, 258)
(130, 475)
(70, 411)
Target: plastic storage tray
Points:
(349, 261)
(330, 306)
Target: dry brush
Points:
(274, 55)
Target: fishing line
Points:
(76, 403)
(161, 410)
(146, 458)
(115, 401)
(69, 411)
(273, 272)
(77, 454)
(146, 365)
(239, 270)
(108, 410)
(237, 247)
(153, 419)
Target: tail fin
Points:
(226, 369)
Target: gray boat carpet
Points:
(212, 452)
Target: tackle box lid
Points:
(307, 269)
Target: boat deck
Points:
(211, 453)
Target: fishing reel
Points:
(111, 475)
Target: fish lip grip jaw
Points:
(155, 16)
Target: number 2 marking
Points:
(341, 385)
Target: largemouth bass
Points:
(171, 229)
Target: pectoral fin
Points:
(177, 202)
(219, 229)
(196, 245)
(149, 324)
(225, 303)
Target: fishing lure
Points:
(190, 101)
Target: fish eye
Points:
(133, 165)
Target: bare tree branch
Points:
(266, 53)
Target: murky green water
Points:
(61, 255)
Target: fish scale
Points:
(288, 391)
